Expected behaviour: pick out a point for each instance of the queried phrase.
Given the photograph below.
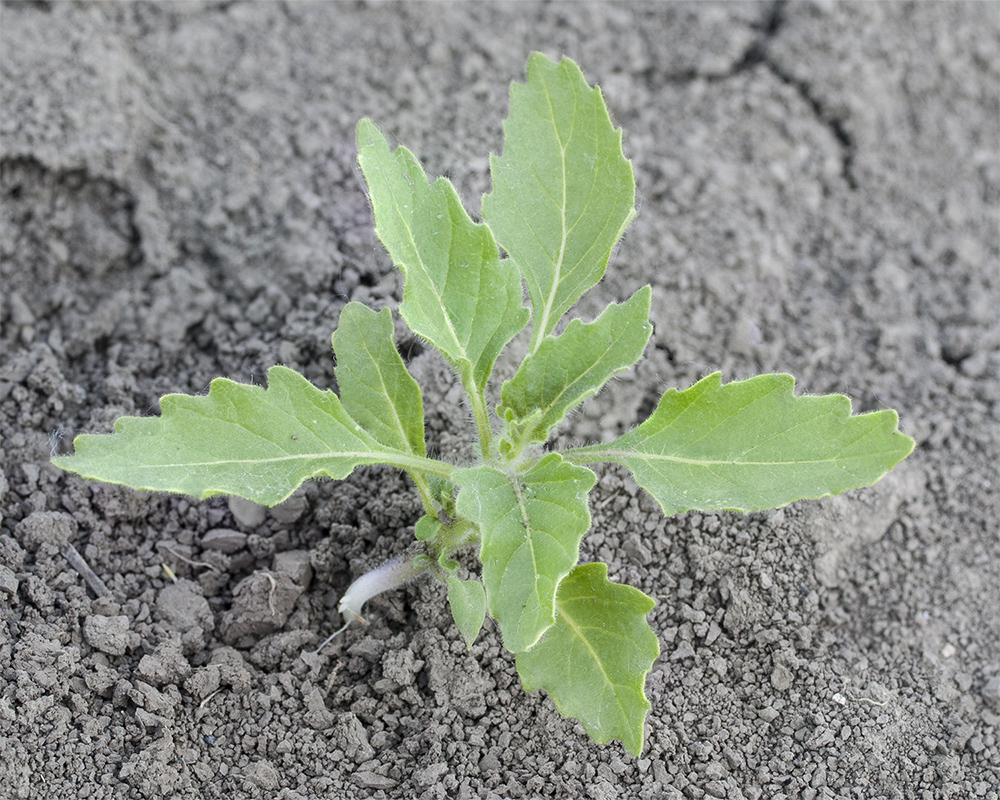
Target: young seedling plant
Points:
(563, 194)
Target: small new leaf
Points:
(257, 443)
(375, 387)
(593, 661)
(468, 606)
(531, 525)
(426, 528)
(457, 294)
(568, 369)
(752, 445)
(563, 191)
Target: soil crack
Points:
(757, 55)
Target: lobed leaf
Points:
(563, 191)
(375, 387)
(468, 606)
(530, 526)
(257, 443)
(752, 445)
(457, 294)
(593, 661)
(568, 369)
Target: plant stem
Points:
(591, 454)
(393, 573)
(454, 537)
(482, 417)
(415, 464)
(424, 489)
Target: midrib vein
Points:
(557, 266)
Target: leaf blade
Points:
(571, 367)
(457, 293)
(468, 607)
(530, 527)
(375, 387)
(563, 191)
(256, 443)
(593, 661)
(753, 445)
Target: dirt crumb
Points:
(111, 635)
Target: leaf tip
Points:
(366, 133)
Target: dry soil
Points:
(819, 187)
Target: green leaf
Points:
(468, 606)
(457, 295)
(563, 191)
(569, 368)
(593, 661)
(752, 445)
(375, 387)
(257, 443)
(530, 527)
(427, 527)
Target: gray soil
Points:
(819, 191)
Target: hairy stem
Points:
(416, 465)
(591, 454)
(424, 490)
(482, 418)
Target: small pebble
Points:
(247, 513)
(225, 540)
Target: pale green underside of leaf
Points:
(752, 445)
(593, 661)
(468, 607)
(457, 295)
(530, 527)
(375, 388)
(569, 368)
(239, 439)
(563, 191)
